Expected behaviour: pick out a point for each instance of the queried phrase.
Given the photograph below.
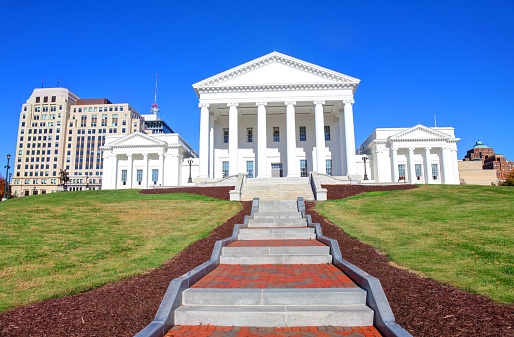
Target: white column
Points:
(262, 155)
(319, 122)
(233, 144)
(211, 147)
(204, 140)
(394, 163)
(456, 179)
(115, 172)
(342, 144)
(445, 166)
(376, 166)
(129, 170)
(410, 160)
(161, 169)
(145, 170)
(349, 136)
(428, 166)
(291, 139)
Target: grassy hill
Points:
(458, 235)
(64, 243)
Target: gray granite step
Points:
(274, 315)
(272, 296)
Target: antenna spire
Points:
(155, 108)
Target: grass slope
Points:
(459, 235)
(63, 243)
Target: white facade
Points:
(276, 112)
(140, 160)
(417, 155)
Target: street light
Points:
(87, 183)
(365, 174)
(6, 178)
(34, 191)
(9, 193)
(190, 180)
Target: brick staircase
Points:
(275, 275)
(276, 189)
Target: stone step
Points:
(269, 296)
(277, 215)
(278, 230)
(297, 220)
(281, 236)
(277, 259)
(276, 250)
(274, 315)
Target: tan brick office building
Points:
(59, 131)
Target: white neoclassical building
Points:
(417, 155)
(276, 116)
(140, 160)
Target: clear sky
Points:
(416, 59)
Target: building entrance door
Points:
(276, 170)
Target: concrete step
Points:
(297, 296)
(277, 230)
(282, 236)
(277, 215)
(256, 223)
(297, 220)
(277, 259)
(275, 315)
(277, 250)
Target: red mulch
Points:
(335, 192)
(219, 192)
(422, 306)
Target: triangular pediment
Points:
(276, 69)
(419, 132)
(137, 139)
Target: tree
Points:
(510, 179)
(2, 186)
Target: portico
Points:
(276, 112)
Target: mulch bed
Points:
(219, 192)
(335, 192)
(422, 306)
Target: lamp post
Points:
(6, 178)
(365, 174)
(9, 192)
(87, 183)
(34, 191)
(190, 180)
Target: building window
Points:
(435, 172)
(276, 134)
(329, 166)
(124, 177)
(249, 135)
(303, 133)
(401, 172)
(224, 168)
(303, 168)
(139, 176)
(418, 171)
(155, 176)
(249, 168)
(327, 132)
(225, 135)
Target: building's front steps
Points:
(269, 189)
(275, 276)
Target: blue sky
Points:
(452, 59)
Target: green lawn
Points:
(64, 243)
(458, 235)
